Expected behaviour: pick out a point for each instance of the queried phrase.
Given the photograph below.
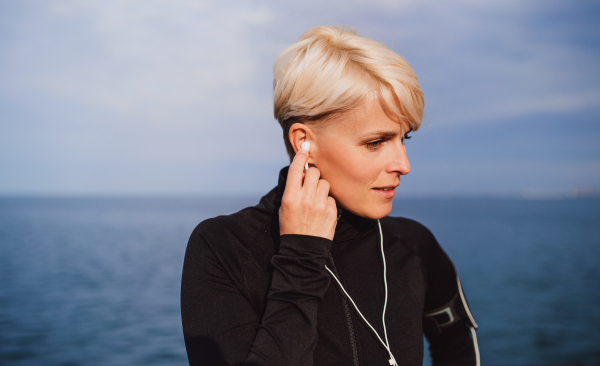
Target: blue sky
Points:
(174, 97)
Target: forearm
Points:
(454, 346)
(222, 326)
(287, 334)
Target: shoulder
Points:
(234, 241)
(234, 230)
(229, 247)
(439, 270)
(411, 234)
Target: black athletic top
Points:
(250, 296)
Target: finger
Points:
(331, 202)
(333, 208)
(323, 188)
(296, 171)
(311, 180)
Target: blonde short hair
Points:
(329, 70)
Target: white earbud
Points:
(305, 146)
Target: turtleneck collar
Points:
(349, 225)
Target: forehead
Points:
(366, 118)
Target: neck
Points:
(349, 225)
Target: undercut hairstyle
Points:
(330, 70)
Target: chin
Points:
(376, 212)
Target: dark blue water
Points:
(96, 281)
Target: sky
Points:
(174, 97)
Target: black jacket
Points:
(250, 296)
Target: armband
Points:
(455, 310)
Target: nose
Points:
(399, 160)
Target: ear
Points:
(299, 132)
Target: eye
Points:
(374, 145)
(406, 137)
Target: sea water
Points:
(96, 281)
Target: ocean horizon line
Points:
(523, 195)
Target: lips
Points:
(386, 192)
(387, 188)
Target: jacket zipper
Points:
(348, 317)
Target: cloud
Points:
(152, 59)
(168, 61)
(482, 62)
(188, 83)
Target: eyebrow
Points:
(381, 133)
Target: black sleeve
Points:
(448, 323)
(222, 327)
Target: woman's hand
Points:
(306, 207)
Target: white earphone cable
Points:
(385, 344)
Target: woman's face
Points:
(362, 155)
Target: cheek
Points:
(348, 170)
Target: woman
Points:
(316, 273)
